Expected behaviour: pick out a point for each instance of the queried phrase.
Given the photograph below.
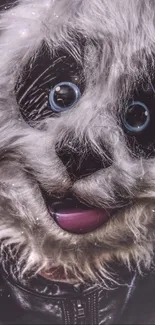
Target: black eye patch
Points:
(49, 85)
(139, 121)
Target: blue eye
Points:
(137, 117)
(64, 96)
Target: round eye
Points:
(137, 117)
(63, 96)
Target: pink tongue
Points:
(80, 221)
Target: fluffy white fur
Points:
(120, 41)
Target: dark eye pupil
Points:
(64, 95)
(137, 117)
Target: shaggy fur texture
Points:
(118, 55)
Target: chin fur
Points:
(127, 239)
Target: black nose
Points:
(81, 162)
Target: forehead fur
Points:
(119, 26)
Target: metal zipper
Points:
(80, 313)
(92, 307)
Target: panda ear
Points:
(7, 4)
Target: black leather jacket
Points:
(44, 302)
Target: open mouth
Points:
(75, 217)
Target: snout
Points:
(70, 213)
(81, 160)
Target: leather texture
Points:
(40, 301)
